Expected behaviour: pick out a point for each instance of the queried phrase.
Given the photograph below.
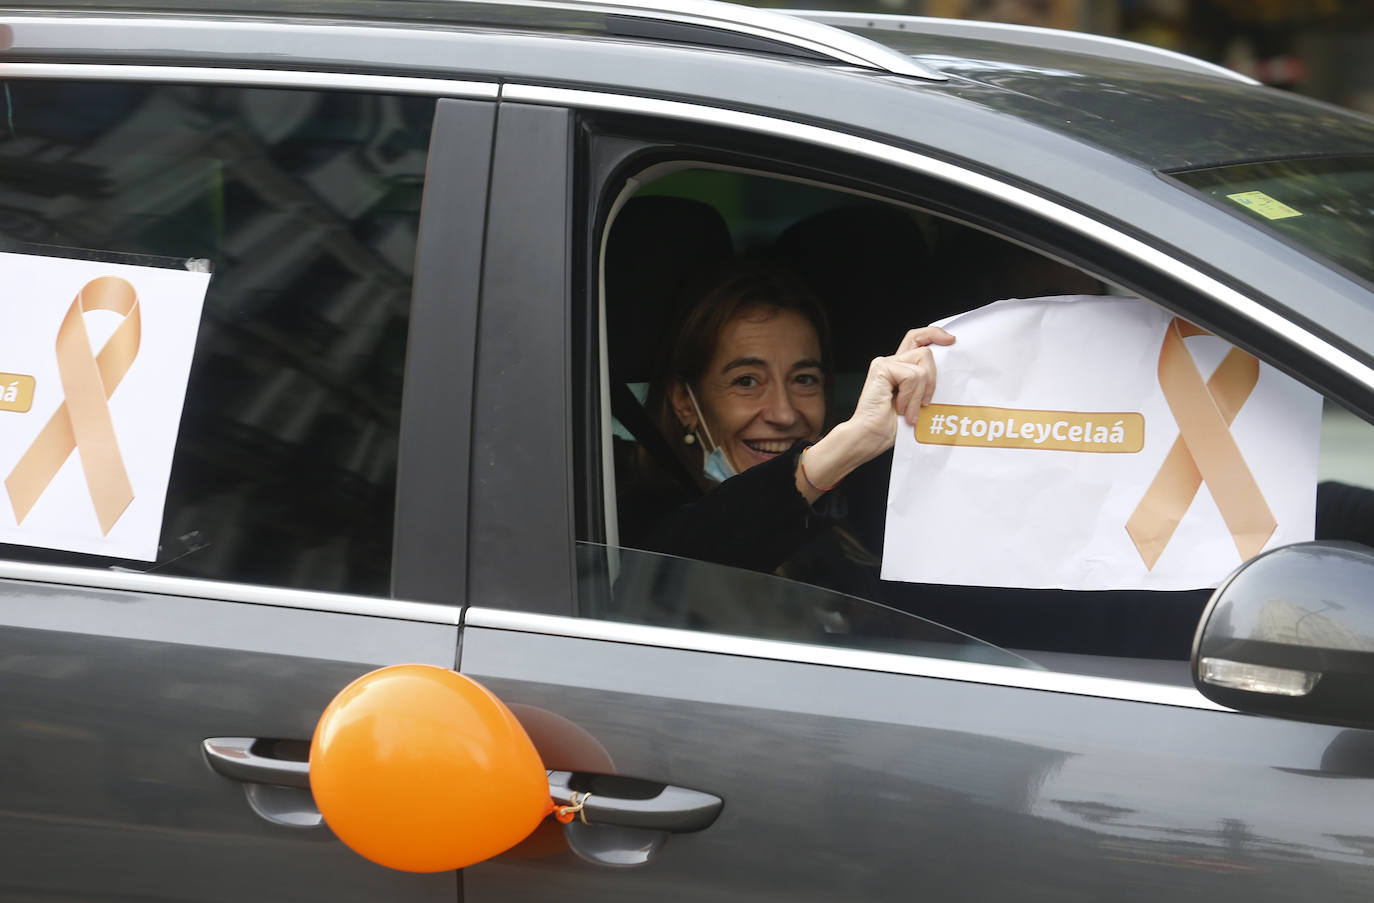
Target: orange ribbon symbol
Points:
(83, 419)
(1204, 450)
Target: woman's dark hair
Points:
(763, 286)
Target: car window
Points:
(1345, 444)
(879, 269)
(304, 206)
(1321, 203)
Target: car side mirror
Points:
(1291, 634)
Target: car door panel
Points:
(850, 783)
(844, 775)
(109, 696)
(286, 474)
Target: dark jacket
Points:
(755, 520)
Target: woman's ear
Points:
(682, 405)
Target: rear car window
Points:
(304, 206)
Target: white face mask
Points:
(717, 467)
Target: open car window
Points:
(878, 268)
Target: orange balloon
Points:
(421, 769)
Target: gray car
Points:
(443, 238)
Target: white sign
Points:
(94, 359)
(1095, 443)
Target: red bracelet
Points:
(801, 462)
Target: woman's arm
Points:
(896, 388)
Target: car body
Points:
(395, 447)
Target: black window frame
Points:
(429, 559)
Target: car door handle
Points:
(631, 803)
(612, 800)
(235, 757)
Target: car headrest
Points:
(662, 252)
(867, 263)
(977, 268)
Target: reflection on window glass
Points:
(1324, 204)
(666, 591)
(306, 205)
(1345, 477)
(1345, 446)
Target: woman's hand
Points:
(896, 387)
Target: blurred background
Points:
(1321, 48)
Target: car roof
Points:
(1160, 116)
(1158, 109)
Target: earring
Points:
(689, 439)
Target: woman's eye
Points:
(810, 380)
(746, 381)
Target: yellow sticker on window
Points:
(1264, 205)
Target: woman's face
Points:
(763, 388)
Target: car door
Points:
(929, 765)
(157, 714)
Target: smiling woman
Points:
(742, 396)
(746, 377)
(761, 390)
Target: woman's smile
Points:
(769, 448)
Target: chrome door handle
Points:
(234, 758)
(655, 807)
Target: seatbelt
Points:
(631, 414)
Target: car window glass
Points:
(666, 591)
(1321, 203)
(305, 206)
(879, 269)
(1345, 477)
(1345, 446)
